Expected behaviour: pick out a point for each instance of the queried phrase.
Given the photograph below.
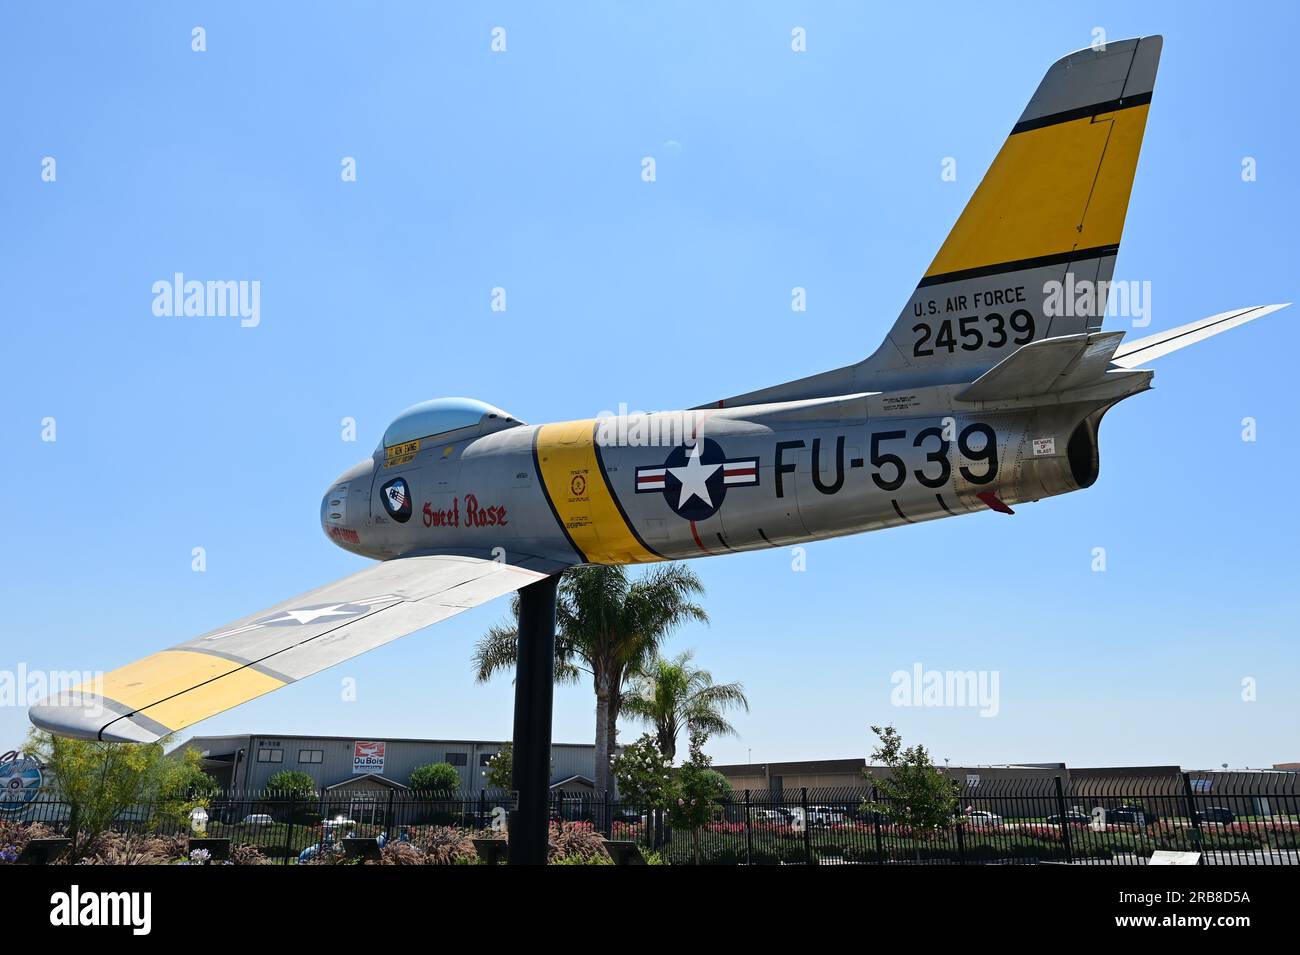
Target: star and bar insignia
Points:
(694, 480)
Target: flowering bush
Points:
(1048, 832)
(734, 828)
(625, 831)
(644, 775)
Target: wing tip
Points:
(91, 717)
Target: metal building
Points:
(247, 762)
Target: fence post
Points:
(749, 831)
(880, 842)
(288, 831)
(388, 818)
(1064, 820)
(482, 809)
(73, 826)
(1191, 812)
(807, 827)
(609, 815)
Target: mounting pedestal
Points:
(534, 689)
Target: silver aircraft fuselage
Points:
(675, 485)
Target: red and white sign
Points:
(368, 757)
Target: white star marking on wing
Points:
(694, 476)
(307, 616)
(311, 615)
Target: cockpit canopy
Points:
(441, 415)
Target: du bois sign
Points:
(368, 757)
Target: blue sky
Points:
(522, 170)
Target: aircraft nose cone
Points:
(342, 509)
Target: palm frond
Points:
(495, 651)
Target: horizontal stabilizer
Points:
(1155, 346)
(1049, 364)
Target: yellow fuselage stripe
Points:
(1044, 184)
(583, 501)
(179, 687)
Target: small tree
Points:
(699, 791)
(499, 771)
(917, 795)
(99, 781)
(292, 782)
(439, 778)
(184, 786)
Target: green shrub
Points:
(435, 778)
(292, 782)
(583, 860)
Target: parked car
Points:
(769, 816)
(1137, 815)
(981, 819)
(1220, 815)
(258, 819)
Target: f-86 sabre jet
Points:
(987, 393)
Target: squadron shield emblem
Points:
(396, 496)
(694, 480)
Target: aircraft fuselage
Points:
(676, 485)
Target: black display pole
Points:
(534, 688)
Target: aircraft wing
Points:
(1142, 350)
(150, 698)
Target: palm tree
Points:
(671, 694)
(608, 626)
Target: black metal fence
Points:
(1230, 818)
